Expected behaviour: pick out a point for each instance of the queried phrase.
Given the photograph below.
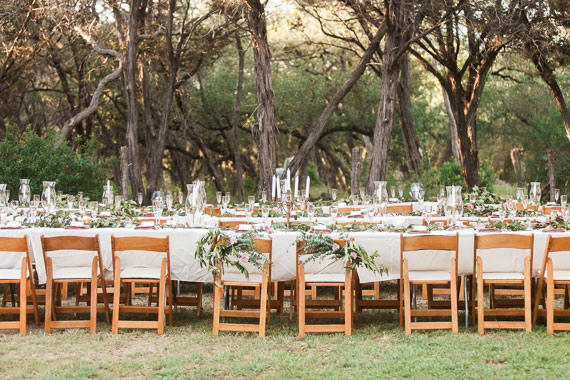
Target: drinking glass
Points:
(264, 196)
(24, 191)
(362, 193)
(140, 199)
(93, 206)
(525, 201)
(428, 212)
(118, 201)
(14, 206)
(82, 204)
(34, 210)
(393, 191)
(60, 196)
(251, 200)
(556, 195)
(7, 196)
(334, 213)
(520, 193)
(70, 200)
(472, 198)
(401, 192)
(181, 197)
(80, 196)
(37, 198)
(226, 200)
(219, 197)
(265, 213)
(310, 211)
(169, 200)
(354, 199)
(157, 209)
(333, 194)
(563, 200)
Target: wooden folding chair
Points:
(337, 281)
(399, 208)
(238, 280)
(73, 259)
(141, 260)
(16, 269)
(421, 263)
(556, 270)
(499, 269)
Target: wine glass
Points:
(70, 200)
(251, 200)
(520, 193)
(14, 206)
(310, 211)
(563, 200)
(169, 201)
(37, 198)
(181, 197)
(219, 197)
(333, 194)
(524, 201)
(60, 196)
(157, 209)
(93, 206)
(393, 191)
(265, 213)
(226, 200)
(82, 204)
(80, 195)
(556, 195)
(34, 209)
(118, 201)
(140, 199)
(334, 213)
(401, 192)
(428, 212)
(362, 193)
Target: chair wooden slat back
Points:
(347, 210)
(233, 224)
(547, 210)
(80, 243)
(399, 209)
(558, 244)
(529, 207)
(428, 242)
(213, 211)
(140, 243)
(263, 245)
(13, 244)
(502, 240)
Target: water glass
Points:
(82, 204)
(70, 200)
(310, 211)
(93, 208)
(140, 199)
(520, 193)
(563, 200)
(265, 212)
(169, 201)
(264, 196)
(157, 209)
(556, 195)
(393, 191)
(251, 200)
(333, 194)
(219, 197)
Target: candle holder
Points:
(288, 207)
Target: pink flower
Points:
(267, 229)
(233, 240)
(244, 258)
(352, 238)
(335, 246)
(353, 255)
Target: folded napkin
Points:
(489, 230)
(71, 227)
(552, 229)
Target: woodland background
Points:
(440, 91)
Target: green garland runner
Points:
(318, 247)
(218, 248)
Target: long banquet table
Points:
(185, 267)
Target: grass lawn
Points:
(188, 350)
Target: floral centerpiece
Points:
(318, 247)
(217, 249)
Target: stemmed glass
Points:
(524, 201)
(520, 193)
(157, 209)
(334, 213)
(428, 211)
(362, 193)
(265, 213)
(169, 201)
(333, 194)
(251, 200)
(401, 192)
(264, 196)
(14, 206)
(93, 206)
(34, 210)
(310, 211)
(393, 191)
(180, 197)
(70, 200)
(219, 198)
(140, 199)
(556, 195)
(226, 200)
(563, 200)
(82, 204)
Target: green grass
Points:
(378, 348)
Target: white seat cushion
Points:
(325, 277)
(239, 277)
(138, 272)
(10, 274)
(503, 276)
(429, 275)
(560, 275)
(63, 273)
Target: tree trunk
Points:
(130, 97)
(124, 171)
(356, 166)
(386, 104)
(266, 109)
(452, 126)
(235, 120)
(333, 103)
(409, 134)
(551, 172)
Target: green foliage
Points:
(450, 174)
(27, 155)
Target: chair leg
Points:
(161, 297)
(23, 297)
(199, 298)
(537, 298)
(454, 316)
(377, 290)
(550, 299)
(49, 296)
(116, 294)
(170, 301)
(527, 295)
(348, 304)
(401, 301)
(407, 301)
(301, 289)
(263, 302)
(93, 304)
(480, 299)
(217, 299)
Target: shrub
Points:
(27, 155)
